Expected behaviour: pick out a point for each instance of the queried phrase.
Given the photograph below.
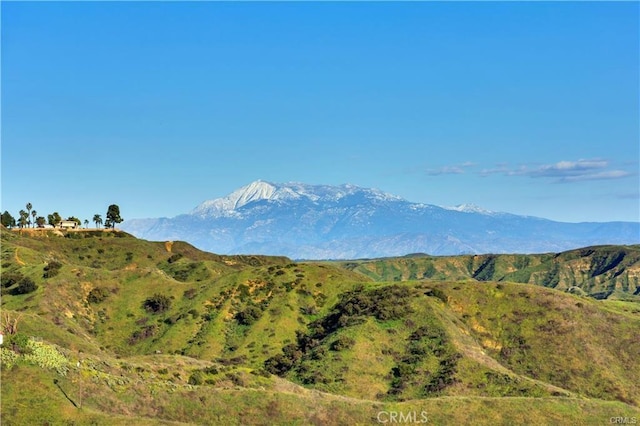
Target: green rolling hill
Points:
(600, 271)
(103, 328)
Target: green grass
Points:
(462, 351)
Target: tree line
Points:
(29, 218)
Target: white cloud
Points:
(456, 169)
(563, 171)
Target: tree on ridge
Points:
(54, 219)
(29, 207)
(8, 220)
(97, 219)
(23, 221)
(113, 216)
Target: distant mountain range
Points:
(346, 222)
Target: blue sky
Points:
(530, 108)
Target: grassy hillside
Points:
(601, 272)
(115, 330)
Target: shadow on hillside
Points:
(57, 383)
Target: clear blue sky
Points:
(530, 108)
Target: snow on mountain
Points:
(260, 190)
(470, 208)
(347, 221)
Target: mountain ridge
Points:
(304, 221)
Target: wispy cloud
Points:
(456, 169)
(562, 171)
(628, 196)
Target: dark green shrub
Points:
(18, 343)
(143, 333)
(261, 372)
(280, 364)
(190, 294)
(196, 378)
(210, 370)
(309, 310)
(97, 295)
(174, 258)
(52, 269)
(26, 285)
(174, 319)
(236, 360)
(437, 293)
(342, 343)
(10, 278)
(157, 303)
(249, 315)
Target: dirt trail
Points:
(18, 260)
(468, 345)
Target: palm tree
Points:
(29, 207)
(34, 214)
(86, 223)
(98, 220)
(22, 222)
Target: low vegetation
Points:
(130, 331)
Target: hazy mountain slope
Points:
(599, 271)
(357, 346)
(345, 222)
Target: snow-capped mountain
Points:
(338, 222)
(230, 206)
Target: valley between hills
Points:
(103, 328)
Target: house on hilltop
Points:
(68, 224)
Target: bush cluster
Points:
(52, 269)
(10, 278)
(342, 343)
(424, 343)
(386, 303)
(437, 293)
(157, 303)
(98, 294)
(249, 315)
(26, 285)
(144, 333)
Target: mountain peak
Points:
(257, 190)
(263, 190)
